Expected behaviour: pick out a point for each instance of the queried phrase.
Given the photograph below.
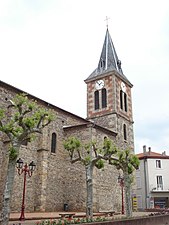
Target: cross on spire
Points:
(107, 18)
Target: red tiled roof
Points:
(152, 155)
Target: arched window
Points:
(53, 143)
(121, 99)
(125, 102)
(125, 132)
(96, 100)
(104, 98)
(102, 63)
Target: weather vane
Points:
(107, 18)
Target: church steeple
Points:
(109, 101)
(108, 59)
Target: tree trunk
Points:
(89, 186)
(7, 194)
(128, 200)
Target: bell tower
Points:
(109, 102)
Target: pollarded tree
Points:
(127, 162)
(90, 156)
(20, 121)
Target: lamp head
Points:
(32, 166)
(19, 163)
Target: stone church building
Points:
(56, 181)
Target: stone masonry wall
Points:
(106, 191)
(56, 181)
(47, 188)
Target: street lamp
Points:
(121, 182)
(26, 169)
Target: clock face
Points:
(123, 87)
(99, 84)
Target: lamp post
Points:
(121, 182)
(26, 169)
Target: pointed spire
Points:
(108, 60)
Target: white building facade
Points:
(152, 179)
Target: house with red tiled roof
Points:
(152, 180)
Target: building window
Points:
(100, 99)
(125, 102)
(158, 163)
(96, 100)
(53, 143)
(104, 98)
(159, 183)
(125, 132)
(138, 182)
(121, 99)
(102, 63)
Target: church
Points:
(56, 181)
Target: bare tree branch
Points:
(95, 150)
(75, 160)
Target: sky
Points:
(49, 47)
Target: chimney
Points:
(164, 153)
(144, 149)
(149, 150)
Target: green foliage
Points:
(134, 160)
(20, 99)
(25, 115)
(87, 147)
(21, 120)
(87, 160)
(126, 161)
(100, 164)
(109, 147)
(89, 152)
(30, 122)
(13, 154)
(31, 137)
(71, 144)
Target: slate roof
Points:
(108, 60)
(103, 129)
(49, 105)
